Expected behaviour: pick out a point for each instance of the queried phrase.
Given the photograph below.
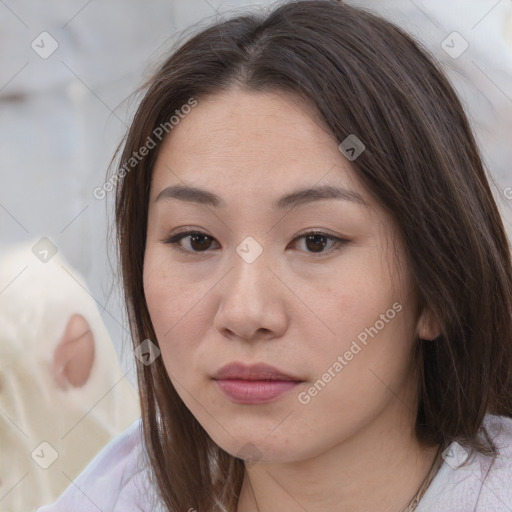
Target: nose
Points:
(253, 301)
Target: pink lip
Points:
(253, 384)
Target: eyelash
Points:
(174, 240)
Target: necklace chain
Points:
(426, 482)
(424, 486)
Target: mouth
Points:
(254, 384)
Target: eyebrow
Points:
(292, 200)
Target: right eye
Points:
(197, 241)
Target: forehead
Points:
(244, 141)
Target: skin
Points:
(352, 446)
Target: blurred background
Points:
(67, 70)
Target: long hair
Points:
(361, 75)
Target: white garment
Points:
(483, 485)
(117, 479)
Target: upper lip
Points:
(258, 371)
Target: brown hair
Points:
(362, 75)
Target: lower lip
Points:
(255, 391)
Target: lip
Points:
(259, 371)
(254, 384)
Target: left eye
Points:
(200, 242)
(317, 241)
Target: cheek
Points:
(178, 311)
(353, 382)
(352, 298)
(166, 299)
(368, 323)
(373, 332)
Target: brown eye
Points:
(198, 241)
(316, 243)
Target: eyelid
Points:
(339, 241)
(176, 238)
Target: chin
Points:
(255, 445)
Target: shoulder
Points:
(472, 481)
(496, 492)
(116, 480)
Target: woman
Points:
(317, 280)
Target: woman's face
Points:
(333, 313)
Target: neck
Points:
(378, 469)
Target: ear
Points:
(427, 327)
(74, 355)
